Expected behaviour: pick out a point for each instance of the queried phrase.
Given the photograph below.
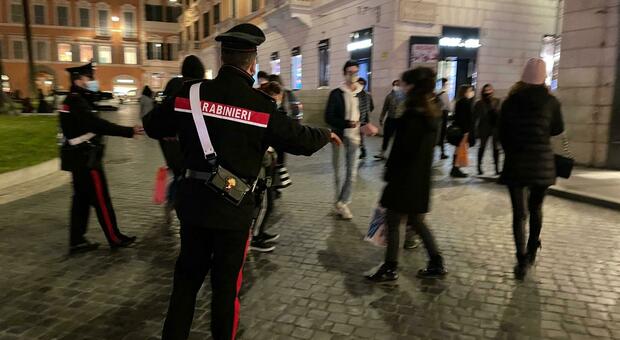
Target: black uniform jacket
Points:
(78, 117)
(242, 123)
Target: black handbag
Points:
(564, 164)
(454, 134)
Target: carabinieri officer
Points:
(81, 153)
(241, 123)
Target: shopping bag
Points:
(161, 180)
(462, 156)
(377, 231)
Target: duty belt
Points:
(81, 139)
(205, 176)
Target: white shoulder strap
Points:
(199, 121)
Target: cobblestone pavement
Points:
(312, 287)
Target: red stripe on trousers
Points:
(102, 204)
(239, 281)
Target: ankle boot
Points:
(386, 272)
(520, 269)
(531, 253)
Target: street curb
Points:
(30, 173)
(577, 196)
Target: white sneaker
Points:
(346, 213)
(338, 208)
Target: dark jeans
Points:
(389, 127)
(221, 251)
(416, 223)
(524, 199)
(483, 144)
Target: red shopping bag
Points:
(462, 155)
(161, 180)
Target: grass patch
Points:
(26, 141)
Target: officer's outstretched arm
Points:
(99, 125)
(159, 123)
(286, 134)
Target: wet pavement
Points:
(312, 286)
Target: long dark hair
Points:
(421, 95)
(146, 91)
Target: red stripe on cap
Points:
(228, 112)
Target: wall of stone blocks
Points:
(587, 76)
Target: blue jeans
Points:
(350, 148)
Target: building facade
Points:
(588, 81)
(308, 41)
(133, 43)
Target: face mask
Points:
(470, 95)
(92, 85)
(352, 78)
(395, 88)
(278, 103)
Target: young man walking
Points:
(342, 114)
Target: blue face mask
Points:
(92, 85)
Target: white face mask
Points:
(395, 88)
(352, 78)
(278, 103)
(92, 85)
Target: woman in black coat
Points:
(408, 173)
(463, 118)
(530, 116)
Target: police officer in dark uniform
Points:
(81, 153)
(242, 123)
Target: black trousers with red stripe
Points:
(90, 188)
(223, 253)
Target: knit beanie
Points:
(535, 72)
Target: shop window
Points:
(130, 55)
(84, 14)
(255, 5)
(86, 53)
(18, 49)
(105, 54)
(64, 52)
(102, 22)
(296, 68)
(42, 52)
(62, 13)
(129, 25)
(324, 62)
(205, 25)
(275, 63)
(216, 14)
(39, 15)
(17, 13)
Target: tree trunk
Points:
(33, 88)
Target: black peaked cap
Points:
(242, 38)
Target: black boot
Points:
(386, 272)
(125, 241)
(82, 247)
(520, 269)
(435, 269)
(457, 173)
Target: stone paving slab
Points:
(312, 287)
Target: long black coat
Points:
(408, 169)
(529, 118)
(486, 117)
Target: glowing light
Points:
(47, 82)
(359, 45)
(115, 18)
(458, 42)
(125, 81)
